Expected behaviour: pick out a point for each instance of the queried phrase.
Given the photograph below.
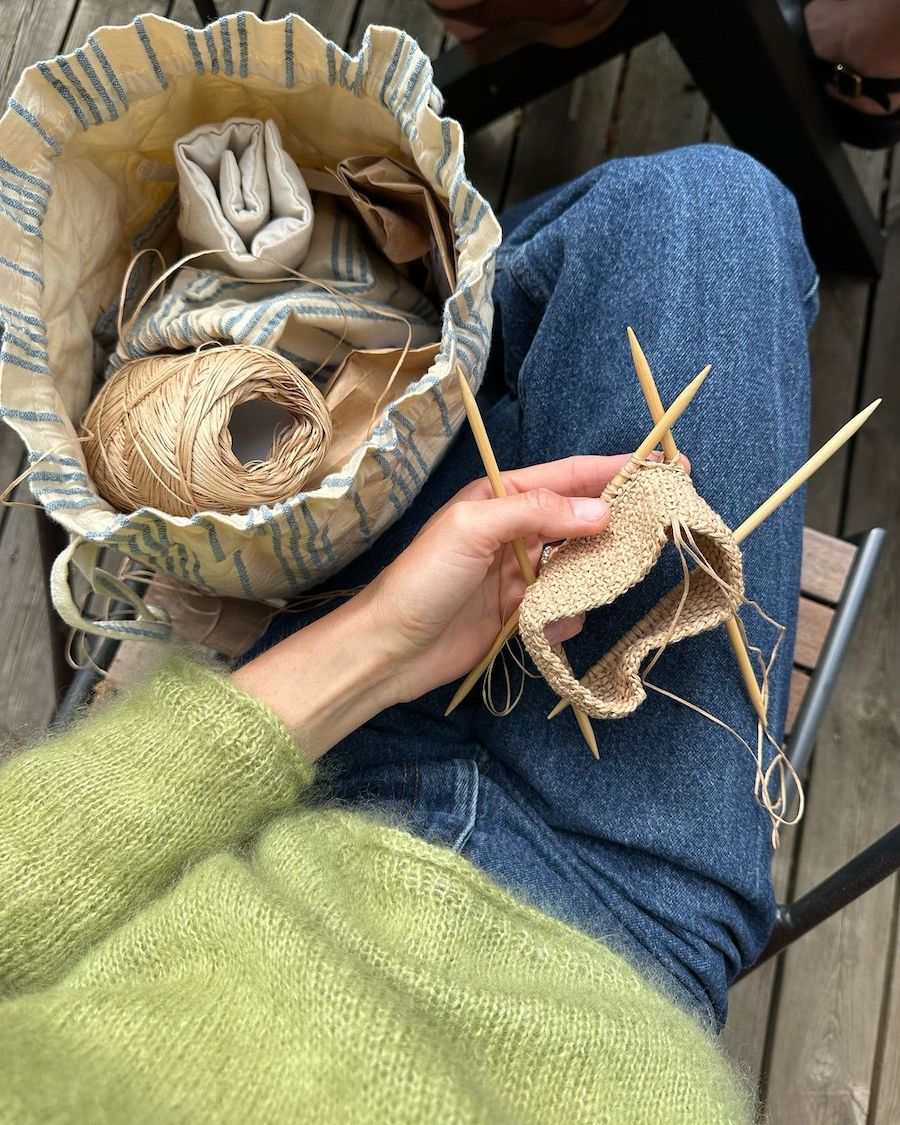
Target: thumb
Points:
(537, 512)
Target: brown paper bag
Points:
(408, 221)
(358, 393)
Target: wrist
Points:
(326, 680)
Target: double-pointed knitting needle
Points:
(790, 486)
(655, 406)
(483, 442)
(669, 418)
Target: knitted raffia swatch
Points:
(648, 501)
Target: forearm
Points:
(326, 681)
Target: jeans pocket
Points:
(435, 800)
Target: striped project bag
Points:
(76, 143)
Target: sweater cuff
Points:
(194, 697)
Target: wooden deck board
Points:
(825, 1053)
(833, 1004)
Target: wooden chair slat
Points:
(799, 684)
(813, 620)
(826, 563)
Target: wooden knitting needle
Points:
(509, 627)
(655, 406)
(802, 475)
(483, 442)
(790, 486)
(651, 394)
(669, 418)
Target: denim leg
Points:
(659, 846)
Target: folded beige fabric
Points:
(240, 192)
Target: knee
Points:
(712, 204)
(709, 184)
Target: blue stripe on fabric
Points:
(28, 346)
(212, 535)
(152, 544)
(64, 92)
(391, 70)
(197, 576)
(479, 216)
(58, 477)
(22, 223)
(28, 116)
(405, 444)
(398, 81)
(25, 193)
(411, 84)
(94, 80)
(58, 458)
(242, 43)
(363, 518)
(151, 54)
(342, 73)
(394, 478)
(35, 181)
(272, 522)
(330, 58)
(69, 74)
(410, 116)
(289, 51)
(329, 549)
(65, 490)
(445, 413)
(38, 216)
(294, 542)
(362, 65)
(242, 574)
(25, 364)
(225, 32)
(182, 556)
(16, 268)
(65, 506)
(311, 538)
(211, 49)
(191, 37)
(445, 155)
(108, 70)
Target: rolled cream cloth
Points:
(241, 191)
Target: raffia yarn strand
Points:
(158, 432)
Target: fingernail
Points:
(588, 509)
(561, 630)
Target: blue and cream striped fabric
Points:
(363, 303)
(75, 192)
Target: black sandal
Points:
(866, 130)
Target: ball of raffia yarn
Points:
(158, 432)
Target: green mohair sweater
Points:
(181, 940)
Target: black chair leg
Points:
(879, 861)
(755, 76)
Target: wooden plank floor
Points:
(819, 1030)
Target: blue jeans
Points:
(659, 849)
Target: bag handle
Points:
(84, 554)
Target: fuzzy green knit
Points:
(181, 940)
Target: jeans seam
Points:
(471, 800)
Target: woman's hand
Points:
(443, 601)
(433, 613)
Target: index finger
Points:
(572, 476)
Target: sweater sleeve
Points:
(101, 820)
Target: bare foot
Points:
(863, 35)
